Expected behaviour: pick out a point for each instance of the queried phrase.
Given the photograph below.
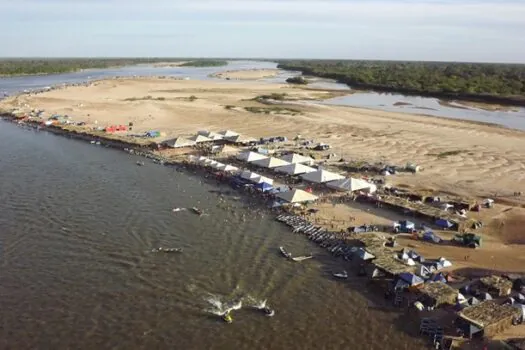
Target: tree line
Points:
(500, 83)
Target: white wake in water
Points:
(220, 307)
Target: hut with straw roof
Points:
(487, 318)
(496, 285)
(438, 293)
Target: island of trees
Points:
(205, 63)
(492, 83)
(297, 80)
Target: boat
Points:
(301, 258)
(285, 253)
(227, 317)
(341, 275)
(167, 250)
(268, 312)
(197, 210)
(140, 163)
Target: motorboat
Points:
(268, 312)
(167, 250)
(197, 211)
(227, 317)
(342, 275)
(285, 253)
(301, 258)
(140, 163)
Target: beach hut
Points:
(489, 317)
(295, 158)
(200, 139)
(178, 142)
(349, 185)
(228, 133)
(496, 285)
(296, 196)
(295, 169)
(438, 293)
(271, 162)
(321, 176)
(250, 156)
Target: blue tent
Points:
(438, 277)
(263, 186)
(411, 279)
(429, 236)
(444, 223)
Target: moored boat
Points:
(197, 210)
(341, 275)
(285, 253)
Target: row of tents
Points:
(208, 136)
(263, 183)
(296, 164)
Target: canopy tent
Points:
(261, 179)
(228, 133)
(218, 165)
(271, 162)
(210, 134)
(200, 138)
(296, 196)
(364, 255)
(250, 176)
(321, 176)
(423, 271)
(295, 158)
(264, 186)
(240, 139)
(230, 169)
(349, 185)
(295, 169)
(178, 142)
(250, 156)
(192, 158)
(411, 279)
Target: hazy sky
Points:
(451, 30)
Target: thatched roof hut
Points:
(496, 285)
(438, 293)
(489, 316)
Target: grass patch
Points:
(145, 98)
(449, 153)
(272, 110)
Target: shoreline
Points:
(334, 242)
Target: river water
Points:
(78, 223)
(514, 119)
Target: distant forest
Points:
(205, 63)
(492, 83)
(22, 66)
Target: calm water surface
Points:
(78, 223)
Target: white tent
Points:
(230, 169)
(192, 158)
(202, 159)
(296, 196)
(240, 139)
(250, 156)
(295, 169)
(297, 158)
(321, 176)
(210, 134)
(349, 185)
(210, 162)
(200, 138)
(271, 162)
(228, 133)
(445, 262)
(218, 165)
(263, 179)
(248, 175)
(178, 142)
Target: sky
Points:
(431, 30)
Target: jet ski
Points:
(227, 317)
(268, 312)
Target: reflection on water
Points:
(78, 225)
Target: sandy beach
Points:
(457, 157)
(247, 74)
